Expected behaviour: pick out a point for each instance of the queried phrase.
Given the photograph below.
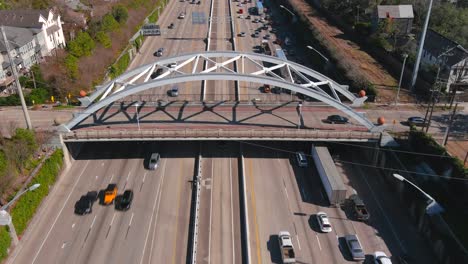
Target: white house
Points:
(33, 34)
(449, 55)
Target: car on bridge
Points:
(171, 26)
(159, 52)
(336, 119)
(156, 73)
(242, 34)
(416, 121)
(174, 92)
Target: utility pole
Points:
(18, 85)
(444, 142)
(421, 45)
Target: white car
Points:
(301, 159)
(381, 258)
(241, 16)
(323, 222)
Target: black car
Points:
(85, 204)
(171, 26)
(127, 199)
(156, 73)
(337, 119)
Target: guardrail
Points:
(196, 209)
(215, 134)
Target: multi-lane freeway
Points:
(249, 191)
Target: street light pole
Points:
(401, 77)
(18, 85)
(5, 217)
(433, 207)
(420, 48)
(294, 19)
(138, 118)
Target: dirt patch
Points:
(361, 62)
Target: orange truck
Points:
(110, 193)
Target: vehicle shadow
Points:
(344, 249)
(117, 202)
(273, 247)
(313, 223)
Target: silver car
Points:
(154, 161)
(355, 248)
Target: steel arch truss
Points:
(139, 80)
(190, 64)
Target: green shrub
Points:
(10, 100)
(3, 163)
(363, 28)
(5, 242)
(71, 63)
(27, 204)
(120, 66)
(38, 95)
(82, 45)
(104, 39)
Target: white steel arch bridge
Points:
(219, 64)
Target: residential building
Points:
(447, 54)
(401, 16)
(32, 34)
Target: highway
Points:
(280, 195)
(219, 233)
(283, 197)
(154, 230)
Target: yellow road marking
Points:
(254, 210)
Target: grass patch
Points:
(5, 242)
(64, 107)
(27, 205)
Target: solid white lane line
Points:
(211, 210)
(131, 219)
(60, 212)
(320, 246)
(144, 177)
(112, 221)
(232, 213)
(157, 213)
(298, 242)
(286, 191)
(151, 220)
(92, 223)
(128, 176)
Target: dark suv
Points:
(126, 200)
(85, 204)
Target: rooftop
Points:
(395, 11)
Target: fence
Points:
(190, 133)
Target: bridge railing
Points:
(210, 134)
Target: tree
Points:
(71, 63)
(120, 13)
(82, 45)
(109, 23)
(104, 39)
(40, 4)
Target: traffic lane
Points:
(111, 225)
(268, 209)
(48, 214)
(167, 239)
(225, 245)
(396, 230)
(81, 240)
(315, 199)
(66, 223)
(204, 227)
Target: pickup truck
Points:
(359, 208)
(286, 247)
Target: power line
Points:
(394, 150)
(357, 164)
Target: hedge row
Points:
(27, 205)
(120, 66)
(5, 242)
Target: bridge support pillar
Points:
(66, 153)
